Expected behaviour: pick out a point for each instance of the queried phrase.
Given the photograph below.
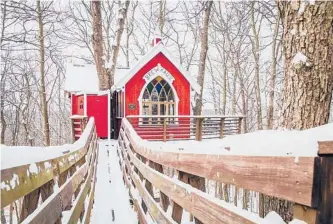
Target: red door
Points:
(97, 107)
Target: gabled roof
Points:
(158, 48)
(83, 78)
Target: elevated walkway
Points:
(112, 201)
(135, 180)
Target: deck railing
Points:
(307, 182)
(65, 184)
(163, 128)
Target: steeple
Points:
(157, 37)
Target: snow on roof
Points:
(83, 78)
(158, 48)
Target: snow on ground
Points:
(259, 143)
(111, 195)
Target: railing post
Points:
(164, 129)
(198, 135)
(322, 208)
(240, 125)
(73, 130)
(325, 206)
(221, 127)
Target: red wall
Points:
(136, 83)
(97, 107)
(76, 102)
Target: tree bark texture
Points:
(161, 17)
(272, 80)
(256, 54)
(203, 56)
(42, 75)
(97, 42)
(115, 48)
(308, 82)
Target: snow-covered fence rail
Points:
(305, 181)
(185, 127)
(64, 184)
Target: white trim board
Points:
(149, 56)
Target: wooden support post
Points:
(30, 202)
(164, 199)
(240, 125)
(322, 209)
(73, 130)
(164, 130)
(325, 206)
(221, 127)
(198, 135)
(194, 181)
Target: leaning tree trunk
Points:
(115, 48)
(203, 55)
(97, 42)
(308, 53)
(42, 75)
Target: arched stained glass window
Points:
(158, 98)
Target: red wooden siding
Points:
(134, 86)
(97, 107)
(77, 104)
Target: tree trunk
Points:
(3, 218)
(3, 120)
(272, 80)
(42, 76)
(203, 55)
(308, 54)
(161, 16)
(256, 54)
(115, 48)
(97, 42)
(224, 90)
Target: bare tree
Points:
(115, 48)
(272, 81)
(97, 40)
(202, 62)
(256, 54)
(42, 74)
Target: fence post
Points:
(73, 130)
(221, 127)
(321, 210)
(325, 206)
(240, 125)
(164, 129)
(198, 135)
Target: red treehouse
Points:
(148, 95)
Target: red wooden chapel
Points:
(155, 85)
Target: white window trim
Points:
(172, 87)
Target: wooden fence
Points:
(307, 182)
(65, 184)
(185, 127)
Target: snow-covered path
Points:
(111, 196)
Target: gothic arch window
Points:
(158, 99)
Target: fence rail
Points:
(306, 182)
(62, 183)
(185, 127)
